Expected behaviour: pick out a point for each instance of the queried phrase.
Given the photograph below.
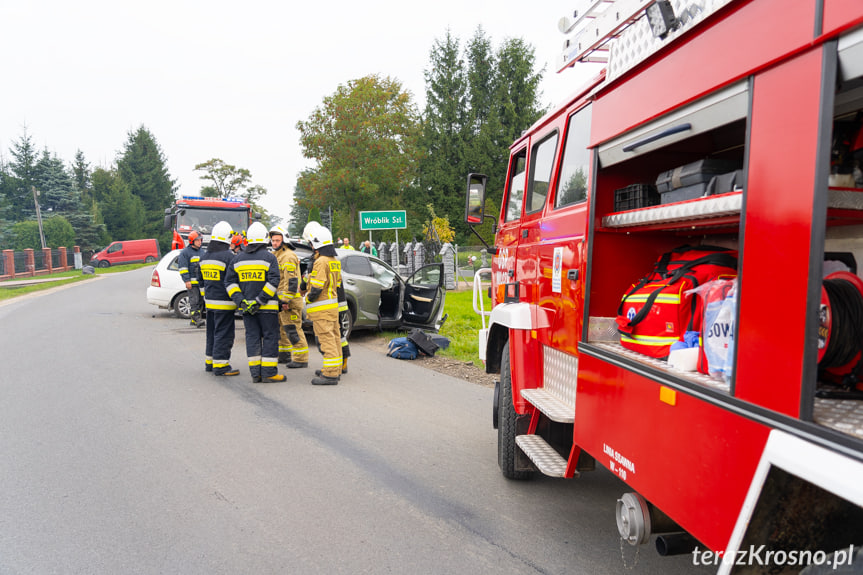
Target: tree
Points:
(142, 167)
(445, 131)
(122, 211)
(23, 169)
(58, 232)
(299, 212)
(55, 185)
(364, 139)
(226, 181)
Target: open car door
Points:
(424, 298)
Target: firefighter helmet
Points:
(257, 234)
(221, 232)
(278, 230)
(317, 235)
(194, 235)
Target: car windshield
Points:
(203, 219)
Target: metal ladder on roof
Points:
(594, 24)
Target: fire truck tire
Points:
(507, 423)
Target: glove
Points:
(249, 307)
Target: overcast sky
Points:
(229, 80)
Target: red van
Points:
(127, 252)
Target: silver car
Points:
(379, 298)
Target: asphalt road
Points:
(119, 454)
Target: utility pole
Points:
(38, 216)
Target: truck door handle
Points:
(572, 275)
(350, 282)
(664, 134)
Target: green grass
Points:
(461, 326)
(72, 275)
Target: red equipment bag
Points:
(656, 312)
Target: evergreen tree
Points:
(122, 211)
(142, 167)
(445, 132)
(23, 169)
(55, 186)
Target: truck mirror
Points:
(257, 216)
(167, 211)
(168, 219)
(475, 202)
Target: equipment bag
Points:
(656, 312)
(402, 348)
(424, 343)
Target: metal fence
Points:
(39, 262)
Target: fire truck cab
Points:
(771, 453)
(201, 214)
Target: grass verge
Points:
(461, 327)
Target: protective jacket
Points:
(289, 271)
(324, 281)
(254, 276)
(211, 274)
(188, 263)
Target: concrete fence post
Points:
(47, 259)
(29, 263)
(9, 256)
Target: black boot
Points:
(230, 372)
(297, 364)
(324, 380)
(284, 356)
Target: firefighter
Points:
(220, 308)
(189, 262)
(293, 348)
(322, 304)
(252, 280)
(238, 242)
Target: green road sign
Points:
(383, 220)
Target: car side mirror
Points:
(475, 200)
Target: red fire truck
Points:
(771, 453)
(201, 214)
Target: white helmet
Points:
(222, 232)
(317, 235)
(257, 233)
(278, 230)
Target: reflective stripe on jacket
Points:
(254, 275)
(188, 263)
(211, 274)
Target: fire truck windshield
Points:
(203, 219)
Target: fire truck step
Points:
(543, 455)
(551, 405)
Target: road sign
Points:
(393, 220)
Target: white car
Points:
(167, 289)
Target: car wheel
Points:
(346, 323)
(507, 422)
(104, 264)
(182, 307)
(150, 259)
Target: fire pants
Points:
(220, 339)
(329, 340)
(262, 343)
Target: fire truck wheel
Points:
(507, 423)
